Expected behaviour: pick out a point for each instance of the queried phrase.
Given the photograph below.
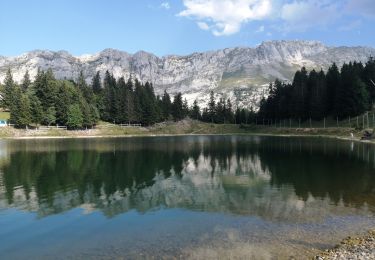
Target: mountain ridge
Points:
(239, 73)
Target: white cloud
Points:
(225, 17)
(203, 26)
(165, 5)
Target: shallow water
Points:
(194, 197)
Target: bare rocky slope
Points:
(242, 73)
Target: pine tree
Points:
(75, 117)
(20, 109)
(96, 83)
(36, 110)
(369, 79)
(8, 92)
(243, 116)
(229, 116)
(220, 112)
(109, 98)
(238, 116)
(130, 101)
(49, 116)
(166, 106)
(26, 82)
(45, 87)
(138, 94)
(66, 95)
(148, 104)
(333, 87)
(211, 107)
(177, 108)
(195, 111)
(300, 94)
(352, 97)
(185, 108)
(318, 95)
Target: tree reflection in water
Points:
(275, 178)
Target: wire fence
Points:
(365, 121)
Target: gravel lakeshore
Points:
(352, 248)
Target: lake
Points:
(196, 197)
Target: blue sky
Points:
(179, 26)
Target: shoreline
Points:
(186, 127)
(357, 247)
(44, 137)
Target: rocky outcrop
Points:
(242, 74)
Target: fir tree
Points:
(195, 111)
(166, 106)
(177, 108)
(211, 107)
(49, 116)
(20, 109)
(36, 110)
(333, 87)
(8, 92)
(26, 82)
(75, 117)
(96, 83)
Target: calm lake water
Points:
(195, 197)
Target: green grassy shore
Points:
(184, 127)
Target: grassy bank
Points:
(184, 127)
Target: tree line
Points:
(77, 105)
(339, 93)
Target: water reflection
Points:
(295, 179)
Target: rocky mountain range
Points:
(241, 74)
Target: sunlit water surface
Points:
(194, 197)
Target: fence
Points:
(130, 125)
(359, 122)
(46, 128)
(118, 125)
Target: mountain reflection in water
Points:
(285, 179)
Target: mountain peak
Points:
(240, 73)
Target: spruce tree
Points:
(166, 106)
(369, 79)
(333, 87)
(75, 117)
(49, 116)
(211, 107)
(185, 108)
(96, 83)
(36, 110)
(20, 114)
(229, 116)
(26, 82)
(195, 111)
(177, 108)
(300, 94)
(352, 97)
(8, 92)
(238, 116)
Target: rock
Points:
(241, 74)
